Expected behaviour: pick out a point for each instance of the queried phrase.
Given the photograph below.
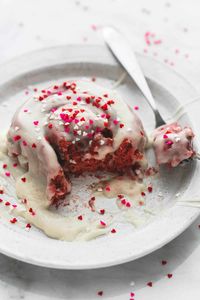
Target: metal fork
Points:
(126, 56)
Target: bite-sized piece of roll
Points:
(173, 144)
(73, 128)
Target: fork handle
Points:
(126, 56)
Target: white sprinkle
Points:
(132, 283)
(39, 138)
(77, 139)
(178, 194)
(81, 123)
(177, 139)
(16, 128)
(72, 161)
(43, 110)
(84, 133)
(102, 142)
(79, 132)
(129, 129)
(37, 129)
(99, 189)
(137, 172)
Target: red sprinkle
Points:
(123, 202)
(24, 143)
(104, 107)
(100, 293)
(36, 123)
(7, 174)
(115, 122)
(128, 204)
(143, 194)
(4, 166)
(150, 189)
(102, 211)
(169, 275)
(15, 165)
(28, 225)
(136, 107)
(113, 230)
(23, 179)
(7, 203)
(121, 125)
(107, 188)
(13, 221)
(163, 262)
(150, 283)
(31, 211)
(34, 145)
(16, 138)
(157, 42)
(102, 223)
(80, 218)
(169, 143)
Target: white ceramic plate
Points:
(169, 90)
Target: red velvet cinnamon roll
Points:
(73, 128)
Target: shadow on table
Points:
(61, 284)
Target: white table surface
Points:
(26, 25)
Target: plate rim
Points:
(58, 265)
